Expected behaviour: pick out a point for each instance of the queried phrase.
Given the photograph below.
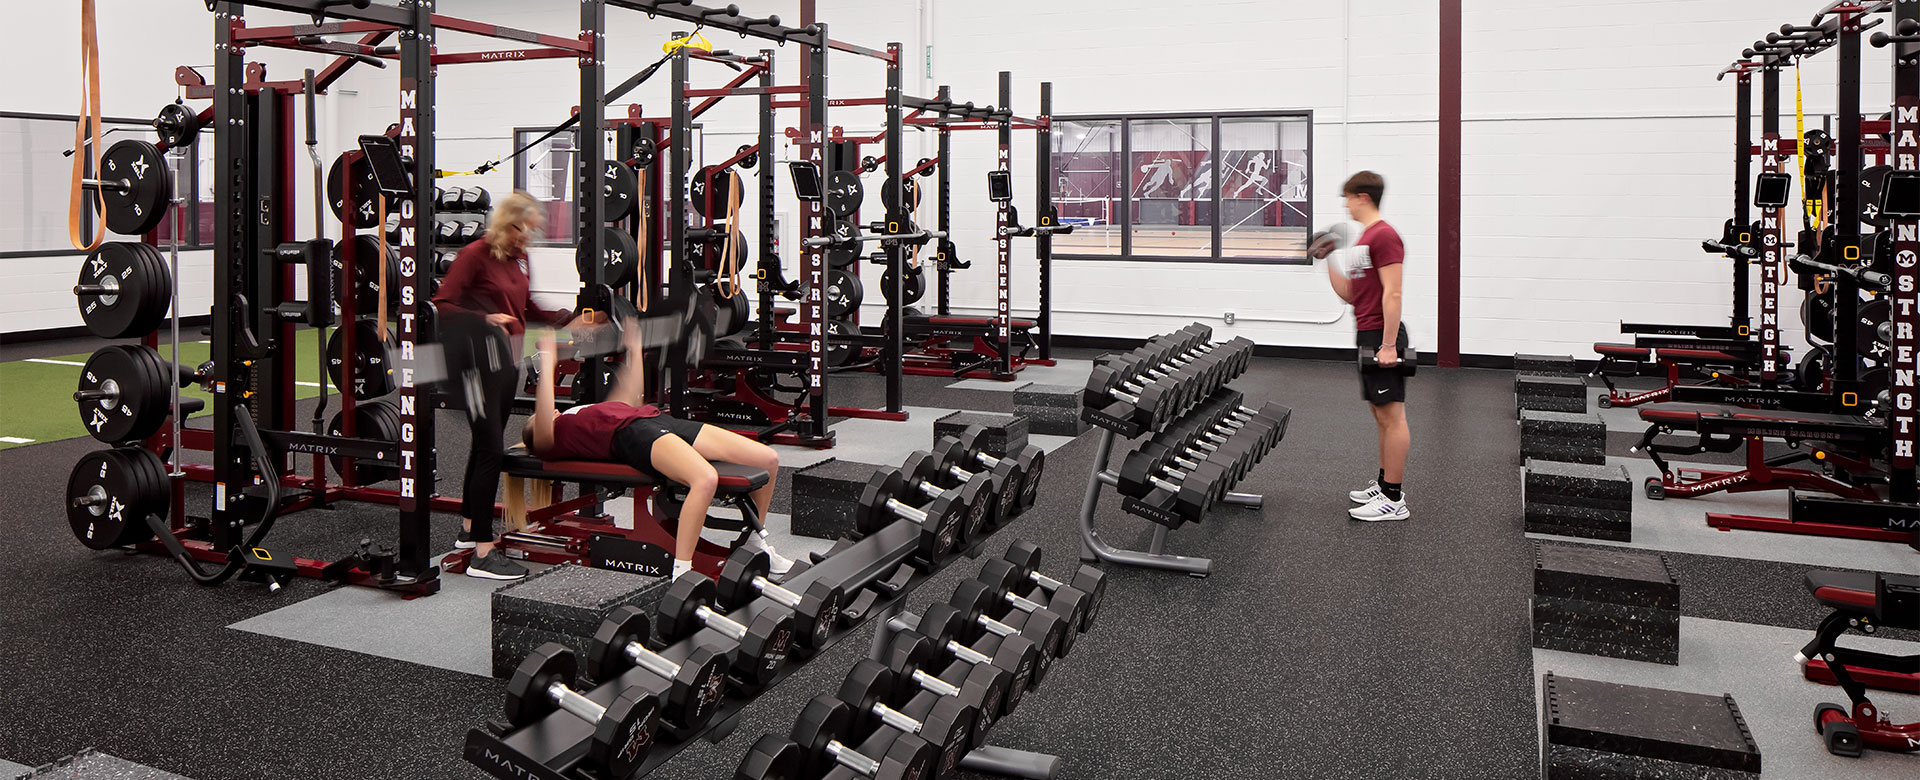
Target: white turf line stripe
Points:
(54, 362)
(14, 440)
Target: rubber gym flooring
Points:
(1319, 648)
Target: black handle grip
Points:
(310, 85)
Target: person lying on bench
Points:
(626, 429)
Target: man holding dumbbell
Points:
(1370, 280)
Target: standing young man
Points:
(1371, 281)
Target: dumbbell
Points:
(1211, 438)
(1230, 355)
(939, 520)
(1018, 475)
(815, 615)
(693, 686)
(949, 723)
(763, 646)
(1152, 402)
(923, 471)
(978, 601)
(1177, 460)
(984, 688)
(1025, 556)
(1191, 494)
(1018, 656)
(772, 757)
(1005, 576)
(1187, 386)
(1369, 360)
(622, 731)
(818, 731)
(1214, 363)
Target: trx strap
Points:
(89, 119)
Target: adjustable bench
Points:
(1843, 444)
(934, 352)
(544, 530)
(1866, 601)
(1630, 360)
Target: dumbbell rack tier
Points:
(555, 747)
(1095, 548)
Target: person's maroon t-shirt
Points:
(585, 432)
(1379, 246)
(480, 284)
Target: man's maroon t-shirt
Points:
(585, 432)
(1379, 246)
(479, 284)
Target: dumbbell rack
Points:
(1094, 548)
(554, 747)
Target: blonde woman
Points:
(487, 292)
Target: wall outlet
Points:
(1229, 318)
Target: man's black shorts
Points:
(633, 443)
(1381, 387)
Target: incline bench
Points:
(543, 530)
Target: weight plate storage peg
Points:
(123, 393)
(123, 291)
(136, 188)
(110, 493)
(366, 209)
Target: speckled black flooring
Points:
(1320, 648)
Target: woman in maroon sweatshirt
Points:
(488, 281)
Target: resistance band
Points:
(89, 119)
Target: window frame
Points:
(193, 241)
(1215, 154)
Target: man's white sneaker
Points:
(1381, 508)
(1366, 496)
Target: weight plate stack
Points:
(372, 370)
(844, 193)
(844, 293)
(621, 259)
(374, 420)
(366, 193)
(622, 189)
(110, 493)
(137, 290)
(134, 379)
(840, 352)
(366, 272)
(142, 167)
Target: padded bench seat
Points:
(1623, 351)
(980, 321)
(1893, 599)
(734, 478)
(1684, 415)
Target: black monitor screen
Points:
(389, 171)
(806, 180)
(1772, 191)
(1901, 198)
(999, 186)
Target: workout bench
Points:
(542, 528)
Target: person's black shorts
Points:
(633, 443)
(1381, 387)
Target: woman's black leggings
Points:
(489, 447)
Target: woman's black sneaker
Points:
(495, 567)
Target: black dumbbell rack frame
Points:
(1095, 549)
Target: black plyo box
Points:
(1614, 525)
(1545, 364)
(1005, 433)
(1578, 484)
(1612, 602)
(564, 604)
(1600, 731)
(826, 495)
(1550, 393)
(1563, 436)
(1052, 410)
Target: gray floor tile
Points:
(1065, 372)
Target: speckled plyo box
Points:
(826, 495)
(1004, 432)
(1546, 393)
(1051, 410)
(1614, 525)
(95, 765)
(1602, 731)
(1563, 436)
(1611, 602)
(1578, 484)
(1544, 364)
(562, 604)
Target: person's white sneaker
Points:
(1366, 496)
(1381, 508)
(777, 564)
